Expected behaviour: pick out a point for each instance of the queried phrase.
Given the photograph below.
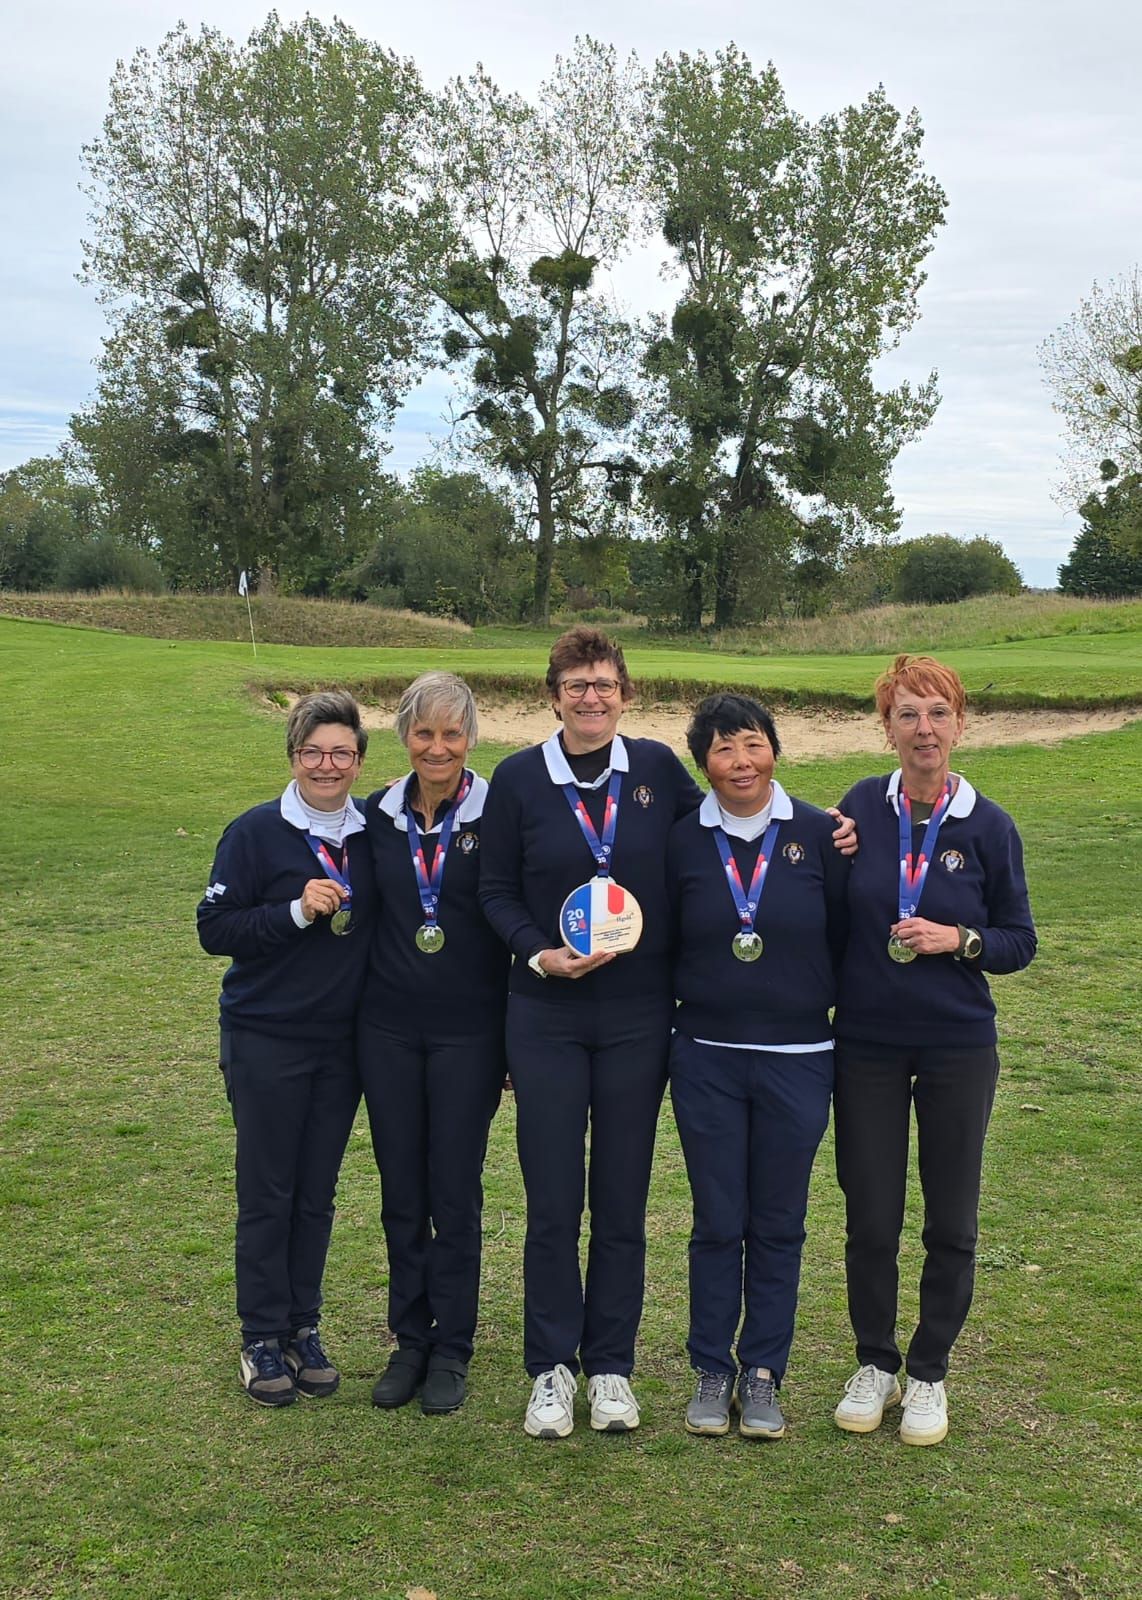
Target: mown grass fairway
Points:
(134, 1466)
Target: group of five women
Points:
(593, 922)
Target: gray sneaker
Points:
(709, 1411)
(757, 1399)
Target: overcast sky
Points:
(1031, 109)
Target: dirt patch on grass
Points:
(803, 734)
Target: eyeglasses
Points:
(311, 758)
(576, 688)
(938, 717)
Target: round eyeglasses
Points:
(938, 717)
(311, 758)
(576, 688)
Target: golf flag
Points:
(244, 589)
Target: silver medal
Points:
(430, 938)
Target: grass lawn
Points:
(134, 1467)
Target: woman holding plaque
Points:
(937, 899)
(290, 902)
(574, 841)
(758, 895)
(430, 1042)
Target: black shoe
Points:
(445, 1387)
(401, 1379)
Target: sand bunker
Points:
(803, 734)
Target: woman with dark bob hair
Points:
(758, 896)
(587, 1034)
(290, 902)
(431, 1042)
(937, 898)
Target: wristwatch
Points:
(971, 945)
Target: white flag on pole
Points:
(243, 586)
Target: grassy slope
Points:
(985, 620)
(133, 1466)
(1082, 670)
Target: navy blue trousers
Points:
(953, 1091)
(574, 1066)
(293, 1102)
(431, 1102)
(750, 1122)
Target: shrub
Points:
(939, 570)
(104, 564)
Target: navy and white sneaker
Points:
(264, 1375)
(313, 1372)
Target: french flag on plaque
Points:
(600, 916)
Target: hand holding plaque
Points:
(600, 917)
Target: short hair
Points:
(436, 694)
(327, 705)
(921, 675)
(721, 714)
(582, 646)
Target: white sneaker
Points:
(867, 1394)
(925, 1417)
(549, 1411)
(614, 1408)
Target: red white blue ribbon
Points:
(912, 876)
(430, 881)
(747, 901)
(600, 848)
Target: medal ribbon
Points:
(747, 902)
(330, 868)
(912, 877)
(428, 883)
(599, 848)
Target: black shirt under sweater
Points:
(535, 855)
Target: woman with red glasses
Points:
(290, 901)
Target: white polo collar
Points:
(963, 800)
(779, 809)
(391, 803)
(559, 768)
(341, 826)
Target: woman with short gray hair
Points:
(430, 1042)
(290, 902)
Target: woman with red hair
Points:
(937, 898)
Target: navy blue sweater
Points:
(785, 996)
(284, 980)
(535, 855)
(463, 987)
(976, 879)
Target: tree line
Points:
(288, 233)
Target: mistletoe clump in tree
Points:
(541, 200)
(800, 247)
